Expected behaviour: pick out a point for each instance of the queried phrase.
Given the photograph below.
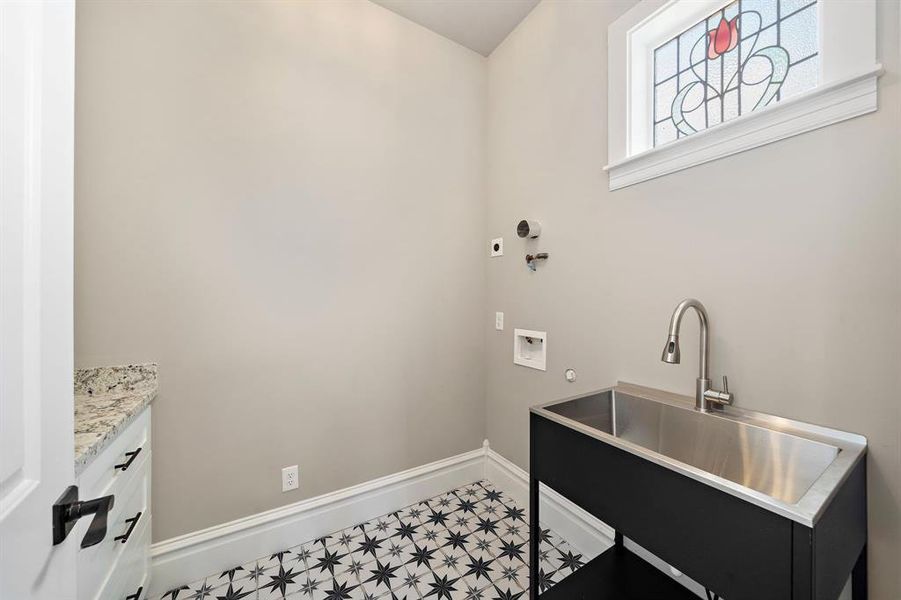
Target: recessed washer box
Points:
(530, 348)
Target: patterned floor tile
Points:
(470, 543)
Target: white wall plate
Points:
(530, 348)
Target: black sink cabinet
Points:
(736, 549)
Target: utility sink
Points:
(785, 466)
(779, 465)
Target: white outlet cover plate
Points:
(499, 243)
(530, 348)
(290, 478)
(499, 321)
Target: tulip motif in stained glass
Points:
(746, 56)
(722, 39)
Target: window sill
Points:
(825, 105)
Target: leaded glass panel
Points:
(745, 56)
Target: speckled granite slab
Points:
(107, 400)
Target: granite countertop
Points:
(107, 400)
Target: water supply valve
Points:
(531, 258)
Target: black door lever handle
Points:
(68, 509)
(99, 507)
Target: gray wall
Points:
(795, 248)
(280, 202)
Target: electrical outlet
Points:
(290, 478)
(497, 247)
(499, 321)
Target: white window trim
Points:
(847, 88)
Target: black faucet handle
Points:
(725, 384)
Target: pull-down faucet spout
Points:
(704, 392)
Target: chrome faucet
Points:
(705, 396)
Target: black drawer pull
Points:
(136, 595)
(131, 527)
(131, 458)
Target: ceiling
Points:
(479, 25)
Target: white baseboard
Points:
(195, 555)
(192, 556)
(579, 528)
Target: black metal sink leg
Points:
(534, 538)
(859, 577)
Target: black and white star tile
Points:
(471, 543)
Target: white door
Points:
(37, 60)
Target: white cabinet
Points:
(118, 567)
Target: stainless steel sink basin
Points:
(786, 466)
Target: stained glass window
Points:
(747, 55)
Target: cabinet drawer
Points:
(132, 571)
(127, 521)
(103, 475)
